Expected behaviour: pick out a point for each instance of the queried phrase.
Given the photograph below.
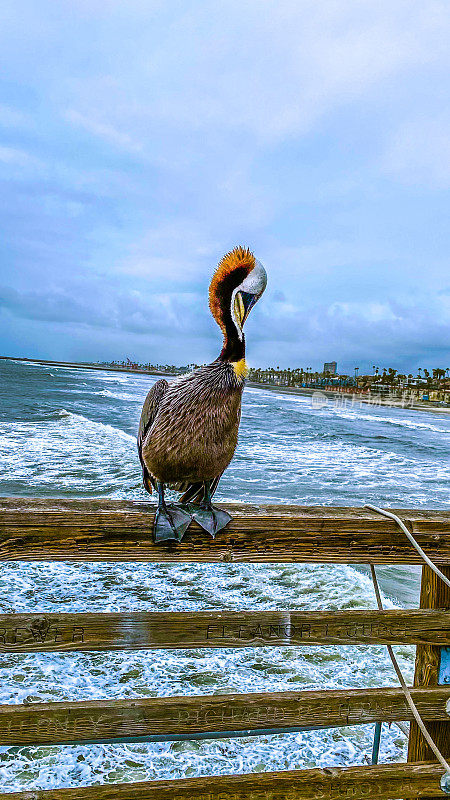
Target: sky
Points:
(141, 140)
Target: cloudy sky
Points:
(141, 140)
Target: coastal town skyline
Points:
(427, 385)
(357, 372)
(377, 371)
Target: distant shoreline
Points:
(349, 397)
(418, 406)
(81, 365)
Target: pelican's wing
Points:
(149, 412)
(150, 408)
(195, 492)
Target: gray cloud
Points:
(277, 332)
(51, 307)
(139, 143)
(131, 311)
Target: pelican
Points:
(188, 429)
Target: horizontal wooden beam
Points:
(114, 530)
(30, 633)
(355, 783)
(180, 717)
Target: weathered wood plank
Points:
(434, 593)
(160, 717)
(24, 633)
(107, 530)
(356, 783)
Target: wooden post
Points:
(434, 594)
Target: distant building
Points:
(331, 367)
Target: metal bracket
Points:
(444, 667)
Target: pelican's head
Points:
(236, 286)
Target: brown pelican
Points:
(188, 429)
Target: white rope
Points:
(403, 728)
(406, 691)
(411, 539)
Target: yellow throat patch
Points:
(240, 368)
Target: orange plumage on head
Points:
(240, 258)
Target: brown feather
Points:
(195, 493)
(194, 434)
(148, 414)
(240, 259)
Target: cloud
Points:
(300, 61)
(104, 131)
(170, 253)
(12, 117)
(402, 334)
(142, 141)
(419, 152)
(156, 314)
(15, 157)
(51, 307)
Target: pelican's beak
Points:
(243, 302)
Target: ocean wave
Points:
(106, 377)
(413, 424)
(292, 398)
(64, 414)
(126, 396)
(68, 452)
(359, 412)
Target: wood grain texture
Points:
(108, 530)
(25, 633)
(355, 783)
(105, 720)
(434, 594)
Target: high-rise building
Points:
(331, 367)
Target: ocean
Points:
(72, 433)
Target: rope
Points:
(406, 691)
(445, 780)
(403, 728)
(411, 539)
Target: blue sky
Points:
(139, 141)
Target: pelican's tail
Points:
(195, 492)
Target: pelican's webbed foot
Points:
(171, 521)
(212, 519)
(209, 518)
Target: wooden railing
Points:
(99, 530)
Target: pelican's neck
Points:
(233, 352)
(233, 348)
